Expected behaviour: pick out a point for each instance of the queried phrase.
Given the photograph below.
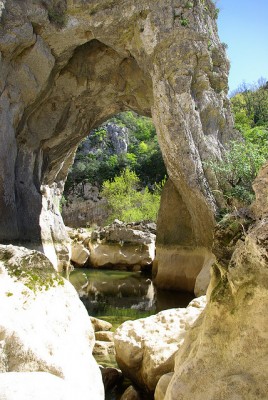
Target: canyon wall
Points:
(224, 355)
(68, 65)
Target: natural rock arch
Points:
(162, 59)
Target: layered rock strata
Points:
(67, 66)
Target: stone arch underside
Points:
(57, 83)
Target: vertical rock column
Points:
(179, 258)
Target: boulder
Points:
(79, 254)
(111, 377)
(145, 348)
(33, 386)
(161, 387)
(40, 315)
(203, 279)
(122, 245)
(131, 393)
(103, 348)
(100, 324)
(105, 336)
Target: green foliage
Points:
(143, 154)
(237, 170)
(141, 127)
(184, 21)
(127, 202)
(57, 13)
(189, 5)
(241, 163)
(216, 13)
(250, 105)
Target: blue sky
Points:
(243, 25)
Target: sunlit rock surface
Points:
(79, 254)
(145, 348)
(33, 386)
(118, 245)
(224, 355)
(43, 327)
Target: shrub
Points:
(238, 168)
(57, 13)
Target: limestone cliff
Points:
(224, 355)
(68, 65)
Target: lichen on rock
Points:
(44, 327)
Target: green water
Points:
(118, 296)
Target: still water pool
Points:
(117, 296)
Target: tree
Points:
(97, 161)
(127, 202)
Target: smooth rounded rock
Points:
(100, 324)
(79, 254)
(105, 336)
(40, 315)
(131, 393)
(162, 385)
(146, 348)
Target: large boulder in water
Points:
(43, 327)
(125, 245)
(145, 348)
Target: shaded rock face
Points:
(40, 315)
(179, 259)
(68, 66)
(224, 355)
(84, 207)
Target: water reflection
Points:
(120, 295)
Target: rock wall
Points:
(68, 65)
(224, 355)
(179, 257)
(84, 207)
